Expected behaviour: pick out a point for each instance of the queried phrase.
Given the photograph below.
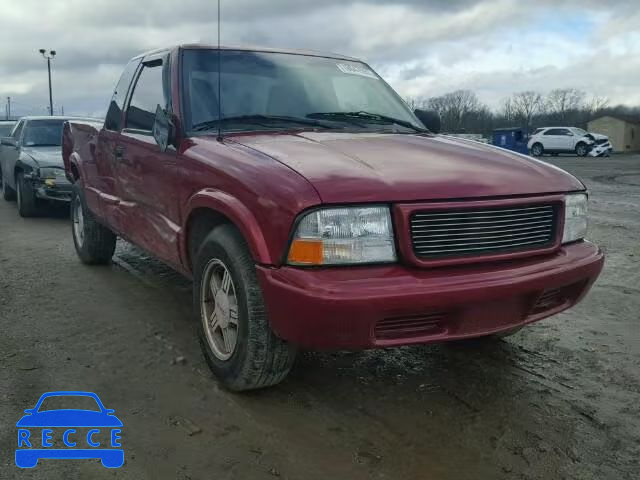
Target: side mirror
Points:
(29, 410)
(9, 141)
(163, 129)
(429, 119)
(109, 411)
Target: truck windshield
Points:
(43, 133)
(263, 90)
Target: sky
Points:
(422, 48)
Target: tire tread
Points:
(99, 242)
(268, 358)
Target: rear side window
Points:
(537, 131)
(554, 131)
(114, 114)
(147, 95)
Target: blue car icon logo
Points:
(69, 433)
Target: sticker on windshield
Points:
(356, 69)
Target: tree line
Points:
(462, 112)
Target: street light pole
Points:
(49, 56)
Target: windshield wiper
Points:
(264, 120)
(361, 115)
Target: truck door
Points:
(146, 176)
(102, 196)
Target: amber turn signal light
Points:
(306, 252)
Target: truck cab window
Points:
(114, 114)
(147, 95)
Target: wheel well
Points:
(200, 223)
(537, 143)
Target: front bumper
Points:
(380, 306)
(60, 192)
(600, 150)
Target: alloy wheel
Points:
(78, 222)
(219, 309)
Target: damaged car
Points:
(555, 140)
(31, 163)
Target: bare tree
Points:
(526, 104)
(596, 104)
(454, 107)
(507, 110)
(413, 102)
(562, 101)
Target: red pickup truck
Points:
(313, 209)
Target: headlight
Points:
(339, 236)
(575, 217)
(49, 172)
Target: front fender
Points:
(26, 164)
(234, 210)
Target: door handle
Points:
(118, 152)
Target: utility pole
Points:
(49, 56)
(8, 108)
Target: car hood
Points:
(69, 418)
(597, 136)
(45, 156)
(363, 167)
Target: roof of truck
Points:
(248, 48)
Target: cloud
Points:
(422, 48)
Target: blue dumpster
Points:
(511, 138)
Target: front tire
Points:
(26, 195)
(236, 338)
(581, 149)
(537, 150)
(95, 244)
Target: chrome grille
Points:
(464, 232)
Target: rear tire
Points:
(8, 193)
(227, 298)
(26, 195)
(95, 243)
(537, 150)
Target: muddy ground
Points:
(561, 399)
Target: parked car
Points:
(317, 211)
(555, 140)
(31, 163)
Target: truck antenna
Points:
(219, 81)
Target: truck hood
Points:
(363, 167)
(45, 156)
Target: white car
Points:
(556, 140)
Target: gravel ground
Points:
(559, 400)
